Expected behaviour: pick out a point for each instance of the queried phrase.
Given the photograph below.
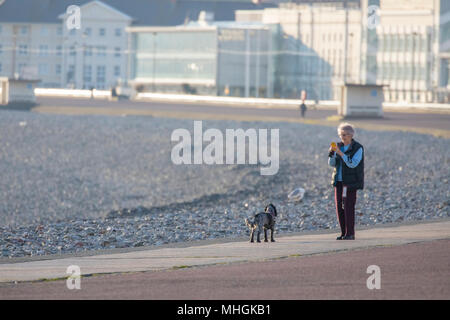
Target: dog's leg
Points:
(260, 230)
(252, 229)
(258, 235)
(265, 235)
(271, 235)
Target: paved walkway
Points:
(423, 121)
(417, 270)
(223, 253)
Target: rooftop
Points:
(149, 12)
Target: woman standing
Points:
(303, 107)
(347, 158)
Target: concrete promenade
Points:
(184, 256)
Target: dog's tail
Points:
(250, 225)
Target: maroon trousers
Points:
(345, 209)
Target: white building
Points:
(313, 54)
(28, 50)
(36, 43)
(96, 54)
(332, 42)
(411, 50)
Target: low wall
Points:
(72, 93)
(233, 101)
(236, 101)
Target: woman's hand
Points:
(333, 146)
(339, 152)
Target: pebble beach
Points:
(80, 183)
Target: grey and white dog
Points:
(263, 220)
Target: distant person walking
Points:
(347, 159)
(303, 107)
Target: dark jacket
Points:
(353, 178)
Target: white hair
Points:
(346, 127)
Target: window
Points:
(387, 43)
(88, 51)
(1, 49)
(408, 70)
(101, 71)
(43, 69)
(59, 31)
(87, 74)
(102, 32)
(118, 32)
(101, 51)
(58, 50)
(422, 43)
(409, 42)
(394, 42)
(387, 70)
(72, 51)
(0, 67)
(117, 71)
(58, 69)
(43, 50)
(395, 71)
(23, 49)
(422, 73)
(399, 71)
(88, 31)
(117, 52)
(23, 30)
(415, 42)
(401, 43)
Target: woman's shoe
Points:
(348, 238)
(341, 237)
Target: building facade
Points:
(403, 45)
(311, 54)
(410, 49)
(29, 50)
(92, 56)
(35, 41)
(264, 50)
(95, 55)
(212, 59)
